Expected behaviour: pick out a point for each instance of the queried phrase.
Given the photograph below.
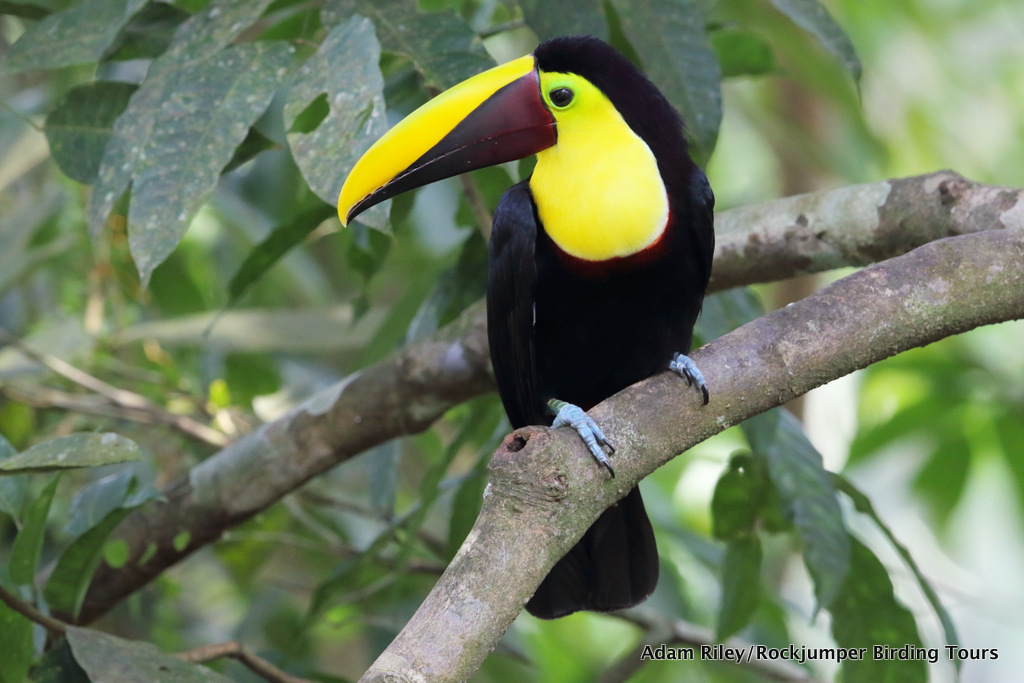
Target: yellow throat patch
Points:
(598, 190)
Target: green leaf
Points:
(384, 469)
(13, 490)
(18, 651)
(81, 123)
(6, 449)
(866, 614)
(58, 665)
(567, 17)
(863, 505)
(742, 53)
(20, 250)
(367, 251)
(116, 660)
(27, 10)
(268, 252)
(149, 33)
(254, 143)
(77, 35)
(483, 427)
(431, 485)
(808, 494)
(250, 375)
(182, 126)
(442, 47)
(204, 114)
(1009, 427)
(669, 38)
(74, 450)
(741, 585)
(299, 26)
(907, 422)
(723, 312)
(98, 499)
(65, 590)
(355, 118)
(737, 499)
(942, 480)
(28, 545)
(812, 16)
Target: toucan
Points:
(598, 262)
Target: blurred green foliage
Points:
(204, 275)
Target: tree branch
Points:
(238, 651)
(406, 392)
(850, 226)
(544, 490)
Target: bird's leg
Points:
(683, 366)
(569, 415)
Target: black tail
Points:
(615, 565)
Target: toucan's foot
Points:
(567, 414)
(687, 369)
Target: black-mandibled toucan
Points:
(598, 261)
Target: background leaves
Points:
(355, 100)
(215, 135)
(78, 35)
(175, 150)
(671, 41)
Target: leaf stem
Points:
(29, 611)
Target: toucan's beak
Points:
(491, 118)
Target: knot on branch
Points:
(952, 190)
(520, 469)
(515, 442)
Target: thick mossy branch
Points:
(406, 392)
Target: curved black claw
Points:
(569, 415)
(683, 366)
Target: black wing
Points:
(512, 276)
(615, 564)
(703, 220)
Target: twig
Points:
(29, 611)
(199, 655)
(123, 403)
(237, 650)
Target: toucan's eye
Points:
(561, 97)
